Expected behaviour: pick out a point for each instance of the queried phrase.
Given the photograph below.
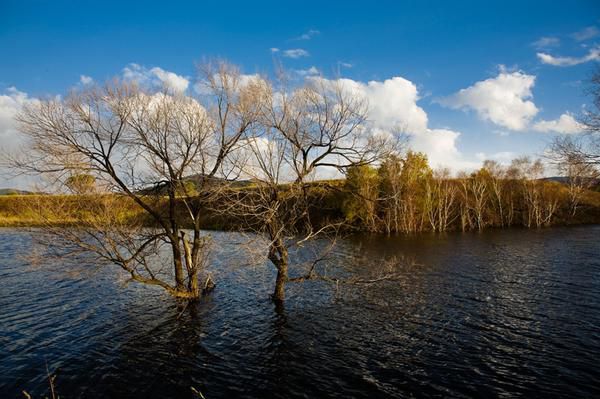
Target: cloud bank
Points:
(393, 106)
(10, 104)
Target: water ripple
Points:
(503, 313)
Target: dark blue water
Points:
(500, 314)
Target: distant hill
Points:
(196, 181)
(559, 179)
(13, 191)
(595, 186)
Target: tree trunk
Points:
(279, 294)
(192, 267)
(278, 254)
(193, 284)
(178, 264)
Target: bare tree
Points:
(392, 188)
(145, 146)
(495, 176)
(440, 198)
(318, 126)
(541, 198)
(578, 156)
(478, 199)
(580, 175)
(466, 219)
(512, 189)
(584, 148)
(362, 191)
(414, 176)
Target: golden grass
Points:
(72, 210)
(59, 210)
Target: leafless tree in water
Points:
(143, 147)
(314, 128)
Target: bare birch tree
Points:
(478, 199)
(495, 176)
(440, 198)
(541, 198)
(392, 188)
(580, 176)
(465, 209)
(414, 176)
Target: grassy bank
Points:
(330, 203)
(60, 210)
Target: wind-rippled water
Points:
(502, 313)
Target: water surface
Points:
(502, 313)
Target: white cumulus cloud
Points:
(11, 102)
(504, 100)
(393, 105)
(565, 124)
(440, 147)
(171, 80)
(156, 77)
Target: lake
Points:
(493, 314)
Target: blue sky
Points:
(520, 65)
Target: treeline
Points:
(404, 195)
